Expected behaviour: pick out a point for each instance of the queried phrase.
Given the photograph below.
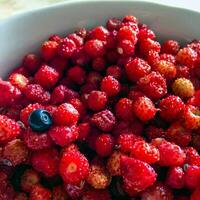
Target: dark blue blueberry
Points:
(40, 120)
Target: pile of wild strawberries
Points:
(101, 114)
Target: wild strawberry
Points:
(24, 114)
(145, 33)
(84, 130)
(28, 179)
(113, 24)
(99, 33)
(153, 85)
(66, 48)
(168, 57)
(125, 48)
(79, 106)
(77, 75)
(63, 135)
(45, 161)
(137, 68)
(114, 71)
(15, 151)
(20, 196)
(18, 80)
(123, 109)
(94, 48)
(153, 132)
(192, 156)
(175, 178)
(58, 94)
(149, 45)
(80, 57)
(99, 64)
(170, 154)
(42, 74)
(195, 194)
(31, 62)
(96, 195)
(73, 167)
(110, 85)
(65, 114)
(55, 38)
(145, 152)
(94, 78)
(192, 176)
(178, 134)
(144, 109)
(104, 120)
(183, 87)
(98, 177)
(152, 57)
(40, 193)
(171, 108)
(132, 170)
(170, 46)
(104, 145)
(49, 50)
(9, 129)
(127, 33)
(157, 191)
(76, 38)
(59, 193)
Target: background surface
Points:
(8, 7)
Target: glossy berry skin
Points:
(40, 193)
(73, 167)
(65, 114)
(59, 193)
(123, 109)
(145, 152)
(96, 195)
(144, 108)
(153, 85)
(31, 62)
(114, 71)
(9, 129)
(170, 47)
(195, 194)
(149, 45)
(132, 170)
(40, 120)
(104, 145)
(137, 68)
(63, 135)
(45, 161)
(175, 178)
(99, 33)
(97, 100)
(77, 75)
(110, 86)
(49, 50)
(127, 33)
(171, 108)
(125, 48)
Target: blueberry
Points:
(40, 120)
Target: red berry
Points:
(65, 114)
(55, 38)
(144, 108)
(145, 152)
(171, 108)
(127, 33)
(59, 193)
(66, 48)
(125, 48)
(93, 78)
(195, 194)
(168, 57)
(137, 68)
(96, 195)
(79, 106)
(182, 71)
(153, 85)
(137, 175)
(99, 64)
(45, 161)
(84, 130)
(63, 135)
(170, 47)
(40, 193)
(99, 33)
(114, 71)
(77, 75)
(42, 74)
(153, 132)
(58, 94)
(145, 33)
(152, 57)
(113, 24)
(20, 196)
(94, 48)
(76, 38)
(104, 145)
(175, 178)
(49, 50)
(80, 57)
(149, 45)
(97, 100)
(110, 85)
(73, 167)
(104, 120)
(31, 62)
(9, 129)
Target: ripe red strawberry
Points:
(35, 141)
(58, 95)
(170, 46)
(40, 193)
(137, 175)
(28, 179)
(104, 145)
(59, 193)
(20, 196)
(77, 75)
(65, 115)
(148, 44)
(195, 194)
(74, 167)
(153, 85)
(153, 132)
(170, 154)
(175, 178)
(104, 120)
(9, 129)
(158, 191)
(49, 50)
(96, 195)
(171, 108)
(84, 130)
(144, 109)
(24, 114)
(45, 161)
(77, 39)
(63, 135)
(42, 74)
(145, 152)
(99, 33)
(15, 151)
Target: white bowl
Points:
(24, 32)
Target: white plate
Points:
(24, 32)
